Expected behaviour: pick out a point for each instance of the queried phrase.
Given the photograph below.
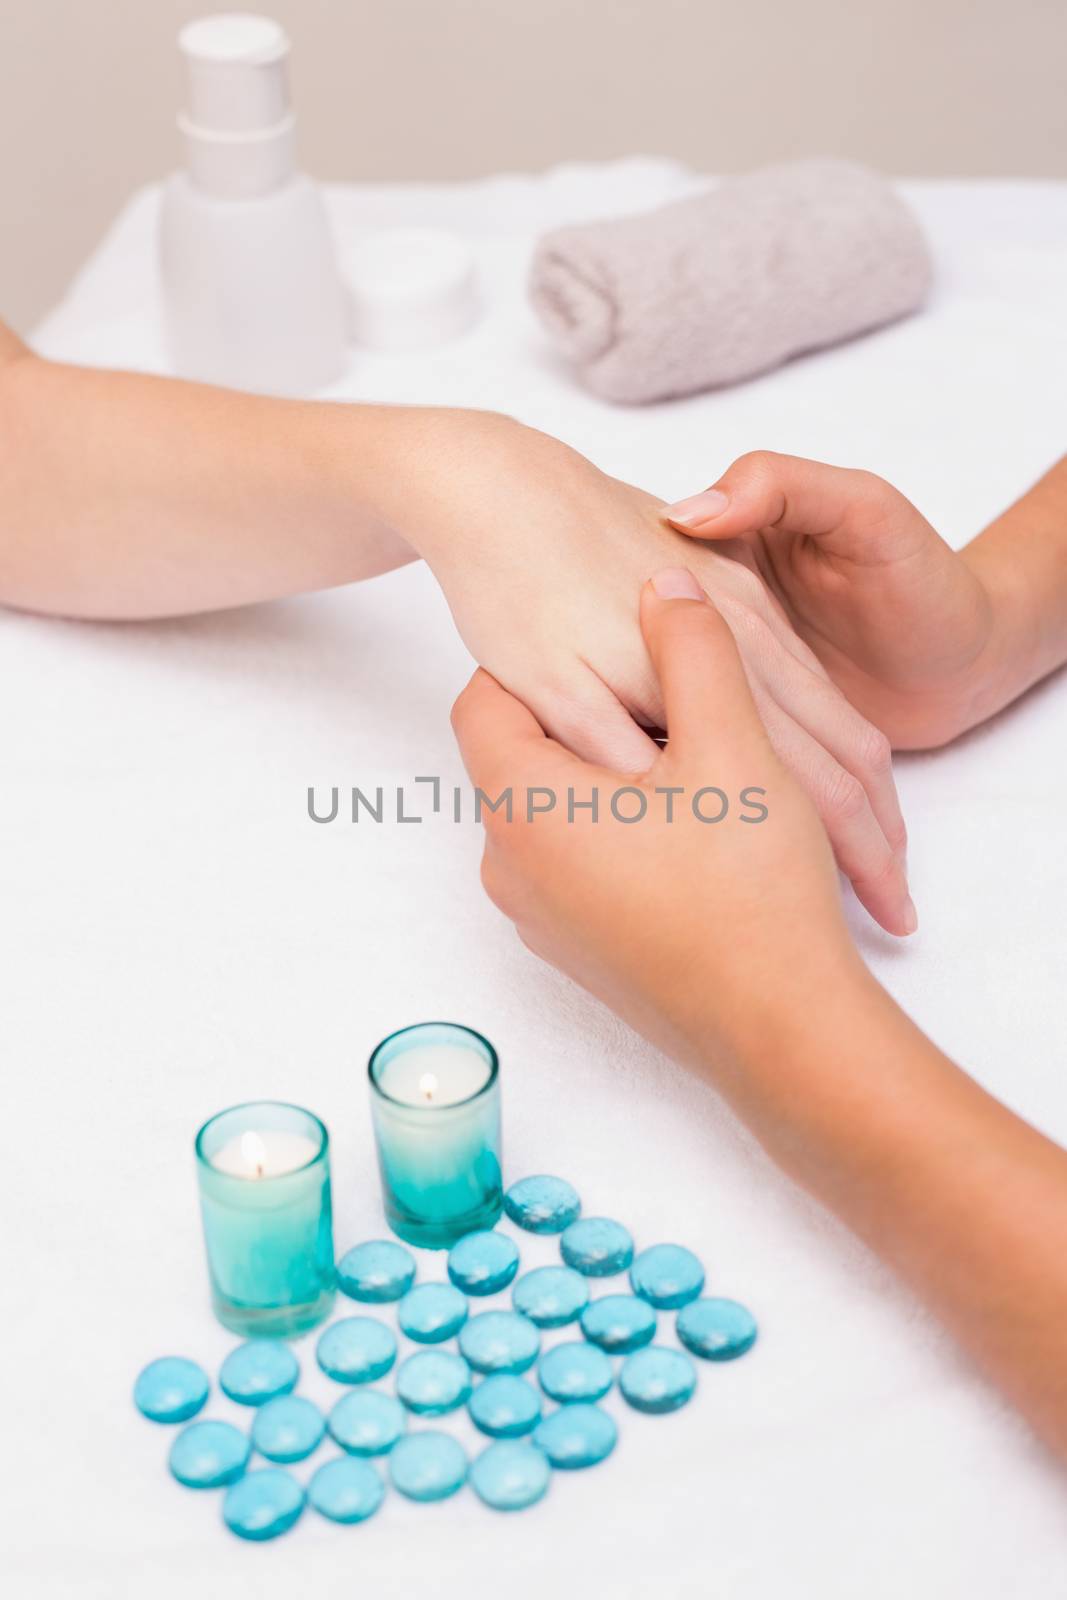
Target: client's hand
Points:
(679, 924)
(904, 625)
(541, 555)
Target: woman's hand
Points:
(679, 922)
(127, 496)
(724, 943)
(540, 556)
(922, 640)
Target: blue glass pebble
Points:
(263, 1504)
(376, 1271)
(428, 1465)
(482, 1263)
(542, 1204)
(432, 1312)
(433, 1382)
(499, 1341)
(597, 1246)
(205, 1455)
(510, 1475)
(367, 1422)
(356, 1350)
(505, 1407)
(574, 1372)
(257, 1371)
(718, 1330)
(667, 1276)
(550, 1296)
(288, 1428)
(171, 1389)
(576, 1436)
(657, 1379)
(619, 1323)
(345, 1490)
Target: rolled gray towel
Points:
(708, 291)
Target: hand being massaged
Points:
(126, 496)
(540, 556)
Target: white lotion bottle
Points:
(251, 290)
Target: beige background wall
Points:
(444, 88)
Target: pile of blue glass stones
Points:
(485, 1373)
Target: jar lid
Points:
(411, 287)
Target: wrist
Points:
(1011, 659)
(428, 464)
(846, 1094)
(771, 1021)
(1021, 561)
(1000, 665)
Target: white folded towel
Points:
(707, 291)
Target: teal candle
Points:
(435, 1103)
(264, 1175)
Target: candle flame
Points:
(253, 1153)
(427, 1086)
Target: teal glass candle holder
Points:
(435, 1103)
(264, 1175)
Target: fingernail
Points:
(698, 508)
(677, 583)
(911, 916)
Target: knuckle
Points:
(883, 874)
(748, 628)
(758, 463)
(747, 585)
(497, 882)
(897, 835)
(844, 797)
(869, 484)
(456, 714)
(498, 831)
(875, 751)
(533, 942)
(564, 715)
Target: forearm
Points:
(1021, 559)
(964, 1199)
(123, 495)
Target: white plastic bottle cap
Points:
(236, 76)
(238, 129)
(411, 287)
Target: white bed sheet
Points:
(176, 936)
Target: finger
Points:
(495, 731)
(700, 672)
(591, 722)
(736, 575)
(764, 491)
(859, 844)
(818, 706)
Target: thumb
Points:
(765, 491)
(705, 691)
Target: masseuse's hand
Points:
(910, 630)
(680, 925)
(540, 556)
(724, 943)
